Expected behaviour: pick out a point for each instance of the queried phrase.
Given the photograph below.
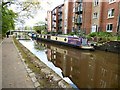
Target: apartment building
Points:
(85, 17)
(60, 18)
(68, 14)
(77, 15)
(54, 19)
(82, 16)
(96, 15)
(48, 19)
(109, 16)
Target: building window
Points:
(111, 13)
(109, 27)
(95, 15)
(112, 1)
(94, 28)
(96, 2)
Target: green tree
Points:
(8, 19)
(25, 10)
(40, 29)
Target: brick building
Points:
(54, 19)
(48, 19)
(60, 18)
(82, 16)
(68, 15)
(109, 16)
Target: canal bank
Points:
(111, 46)
(46, 77)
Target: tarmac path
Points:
(14, 74)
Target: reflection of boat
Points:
(87, 47)
(79, 42)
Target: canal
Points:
(86, 69)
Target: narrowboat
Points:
(79, 42)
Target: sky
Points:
(42, 14)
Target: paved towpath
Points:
(14, 74)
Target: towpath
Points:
(14, 74)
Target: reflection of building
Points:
(49, 54)
(86, 69)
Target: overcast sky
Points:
(40, 16)
(42, 13)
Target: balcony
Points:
(54, 19)
(53, 13)
(60, 10)
(54, 27)
(60, 18)
(78, 21)
(79, 1)
(60, 25)
(78, 10)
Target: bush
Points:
(71, 33)
(92, 34)
(100, 34)
(118, 38)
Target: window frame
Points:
(95, 15)
(110, 13)
(111, 1)
(109, 27)
(96, 2)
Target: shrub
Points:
(92, 34)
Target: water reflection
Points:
(86, 69)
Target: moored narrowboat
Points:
(79, 42)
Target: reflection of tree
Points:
(38, 46)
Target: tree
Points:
(40, 29)
(25, 10)
(8, 19)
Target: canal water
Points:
(84, 69)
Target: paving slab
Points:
(37, 84)
(32, 75)
(34, 79)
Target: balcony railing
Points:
(60, 18)
(54, 19)
(53, 12)
(78, 21)
(79, 1)
(78, 10)
(60, 10)
(60, 25)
